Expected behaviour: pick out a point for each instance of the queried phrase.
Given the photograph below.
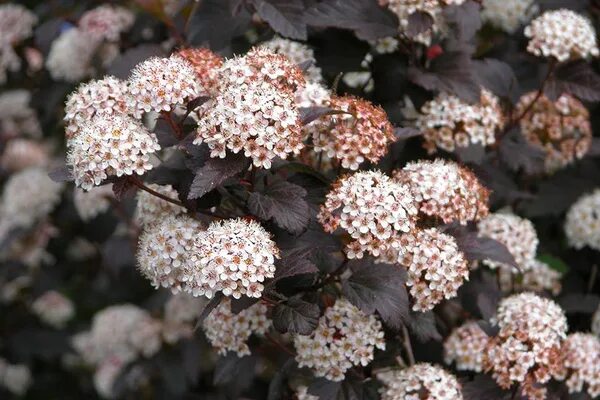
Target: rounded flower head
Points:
(312, 95)
(508, 15)
(150, 208)
(124, 331)
(345, 337)
(53, 308)
(16, 24)
(70, 57)
(206, 64)
(227, 331)
(106, 22)
(448, 122)
(436, 267)
(372, 208)
(180, 315)
(580, 363)
(516, 233)
(362, 132)
(103, 97)
(16, 378)
(24, 153)
(404, 8)
(16, 115)
(445, 190)
(420, 381)
(561, 128)
(254, 117)
(526, 351)
(160, 84)
(164, 252)
(89, 204)
(562, 34)
(261, 64)
(465, 347)
(298, 53)
(582, 224)
(114, 145)
(28, 196)
(537, 277)
(235, 257)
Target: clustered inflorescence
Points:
(465, 347)
(448, 123)
(206, 64)
(53, 308)
(420, 381)
(16, 25)
(526, 350)
(227, 331)
(561, 128)
(580, 364)
(582, 223)
(151, 208)
(374, 210)
(562, 34)
(344, 337)
(508, 15)
(94, 202)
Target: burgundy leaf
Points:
(296, 316)
(284, 16)
(295, 262)
(214, 172)
(577, 78)
(310, 114)
(122, 188)
(61, 174)
(419, 22)
(518, 154)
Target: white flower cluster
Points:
(164, 252)
(53, 308)
(160, 84)
(526, 350)
(436, 267)
(227, 331)
(119, 335)
(298, 53)
(180, 314)
(562, 34)
(374, 209)
(16, 378)
(233, 256)
(114, 145)
(345, 337)
(537, 277)
(312, 95)
(89, 204)
(582, 223)
(16, 115)
(445, 190)
(255, 110)
(560, 128)
(106, 22)
(404, 8)
(20, 154)
(596, 322)
(465, 347)
(362, 132)
(70, 56)
(420, 381)
(151, 208)
(448, 122)
(508, 15)
(16, 24)
(102, 97)
(28, 196)
(580, 363)
(516, 233)
(206, 64)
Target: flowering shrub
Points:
(300, 199)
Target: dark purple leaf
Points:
(464, 20)
(61, 174)
(46, 32)
(296, 316)
(325, 389)
(214, 23)
(419, 22)
(123, 188)
(497, 76)
(483, 387)
(214, 172)
(422, 326)
(487, 304)
(476, 247)
(212, 304)
(233, 370)
(518, 154)
(378, 287)
(284, 16)
(406, 133)
(450, 72)
(576, 78)
(580, 303)
(118, 253)
(310, 114)
(295, 262)
(472, 154)
(124, 63)
(284, 203)
(366, 18)
(277, 386)
(197, 102)
(243, 303)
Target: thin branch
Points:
(174, 127)
(407, 345)
(137, 182)
(279, 345)
(539, 94)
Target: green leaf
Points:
(553, 262)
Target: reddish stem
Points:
(137, 182)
